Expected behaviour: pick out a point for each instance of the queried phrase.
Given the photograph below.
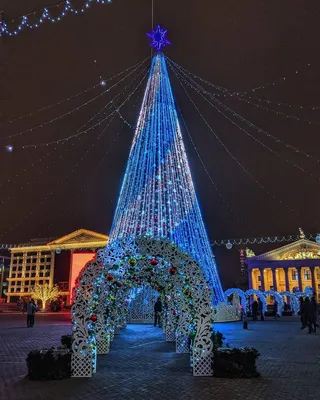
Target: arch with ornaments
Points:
(100, 306)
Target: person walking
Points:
(309, 315)
(260, 308)
(31, 309)
(302, 316)
(157, 312)
(275, 309)
(315, 310)
(255, 307)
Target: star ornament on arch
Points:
(159, 38)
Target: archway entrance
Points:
(141, 305)
(102, 298)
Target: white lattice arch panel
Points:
(260, 295)
(279, 298)
(100, 307)
(294, 301)
(237, 291)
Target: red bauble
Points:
(172, 271)
(93, 318)
(100, 267)
(154, 261)
(109, 277)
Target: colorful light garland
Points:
(66, 8)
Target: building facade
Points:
(294, 268)
(4, 275)
(56, 262)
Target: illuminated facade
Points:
(4, 274)
(57, 262)
(294, 267)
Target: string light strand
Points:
(66, 8)
(70, 112)
(275, 153)
(240, 165)
(249, 123)
(69, 98)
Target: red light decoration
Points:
(172, 270)
(93, 318)
(109, 277)
(154, 261)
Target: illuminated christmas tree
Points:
(157, 197)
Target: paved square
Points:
(142, 366)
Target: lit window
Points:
(259, 278)
(294, 275)
(307, 275)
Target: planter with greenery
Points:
(235, 362)
(49, 364)
(66, 341)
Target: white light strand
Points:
(280, 103)
(69, 113)
(200, 91)
(72, 171)
(233, 92)
(97, 124)
(66, 8)
(5, 199)
(249, 123)
(99, 114)
(73, 96)
(223, 200)
(89, 181)
(224, 242)
(240, 98)
(258, 183)
(263, 240)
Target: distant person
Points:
(309, 315)
(157, 312)
(315, 309)
(260, 308)
(31, 310)
(275, 309)
(302, 316)
(254, 308)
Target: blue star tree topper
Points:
(159, 38)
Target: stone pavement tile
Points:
(141, 366)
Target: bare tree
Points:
(44, 293)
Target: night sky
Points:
(51, 191)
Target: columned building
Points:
(58, 262)
(294, 267)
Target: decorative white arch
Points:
(260, 295)
(239, 292)
(279, 298)
(294, 301)
(100, 307)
